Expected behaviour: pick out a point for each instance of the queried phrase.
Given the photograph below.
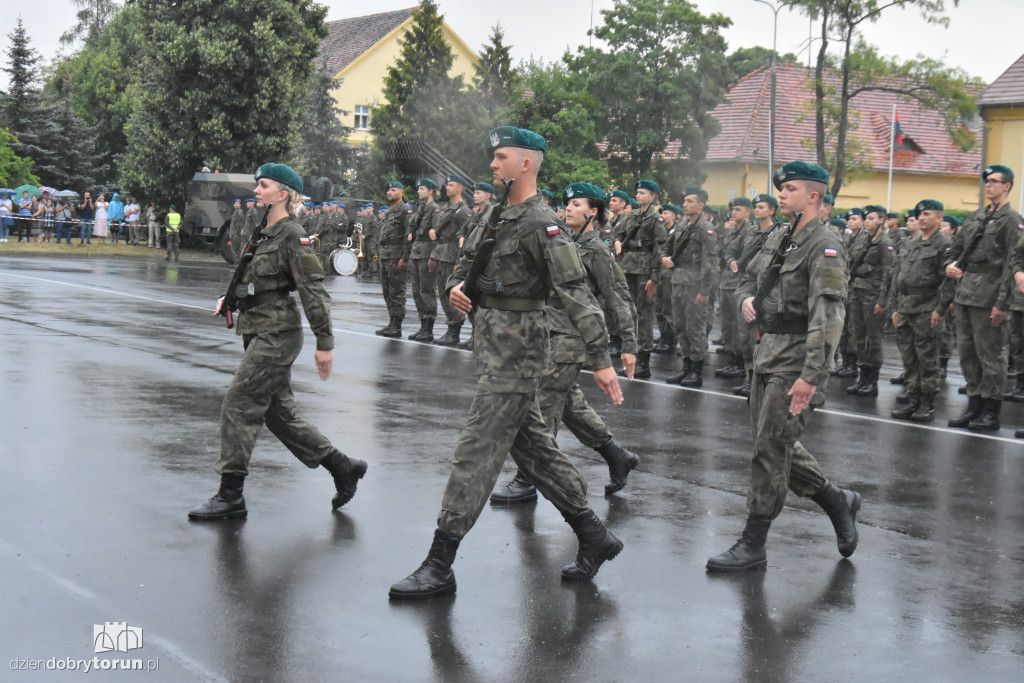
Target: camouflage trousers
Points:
(982, 351)
(690, 321)
(663, 306)
(173, 239)
(866, 333)
(442, 272)
(1016, 339)
(845, 345)
(261, 392)
(423, 288)
(586, 425)
(730, 314)
(561, 400)
(919, 345)
(237, 243)
(780, 461)
(644, 311)
(948, 336)
(500, 423)
(392, 284)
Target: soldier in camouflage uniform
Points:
(422, 275)
(950, 226)
(692, 256)
(871, 260)
(328, 238)
(983, 297)
(235, 229)
(449, 223)
(534, 259)
(271, 331)
(252, 218)
(791, 366)
(394, 257)
(558, 394)
(483, 204)
(667, 342)
(920, 294)
(852, 241)
(732, 330)
(640, 242)
(618, 203)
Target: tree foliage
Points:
(322, 149)
(76, 165)
(745, 60)
(14, 170)
(22, 110)
(496, 79)
(91, 17)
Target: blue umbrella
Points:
(7, 190)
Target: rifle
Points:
(419, 221)
(767, 309)
(677, 253)
(965, 258)
(745, 259)
(860, 258)
(631, 235)
(231, 297)
(471, 286)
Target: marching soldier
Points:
(673, 217)
(618, 204)
(640, 243)
(449, 222)
(394, 252)
(921, 293)
(791, 366)
(740, 209)
(422, 275)
(692, 256)
(980, 259)
(871, 258)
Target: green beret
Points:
(741, 201)
(892, 215)
(767, 199)
(875, 208)
(583, 190)
(909, 214)
(997, 168)
(484, 187)
(510, 136)
(799, 170)
(699, 191)
(396, 184)
(838, 222)
(952, 220)
(927, 205)
(677, 210)
(855, 212)
(634, 203)
(456, 178)
(282, 174)
(547, 193)
(621, 195)
(427, 182)
(828, 199)
(649, 185)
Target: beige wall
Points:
(956, 192)
(362, 81)
(1004, 144)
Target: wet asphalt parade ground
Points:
(113, 371)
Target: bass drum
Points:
(344, 261)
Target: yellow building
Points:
(929, 165)
(360, 50)
(1002, 109)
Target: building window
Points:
(362, 117)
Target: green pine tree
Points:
(323, 149)
(23, 107)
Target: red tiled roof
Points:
(1007, 89)
(349, 38)
(745, 113)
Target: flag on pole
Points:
(896, 130)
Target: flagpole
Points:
(892, 153)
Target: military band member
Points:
(871, 260)
(921, 293)
(982, 298)
(534, 259)
(733, 329)
(422, 274)
(271, 331)
(692, 256)
(449, 222)
(791, 367)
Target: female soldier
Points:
(271, 332)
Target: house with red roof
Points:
(928, 164)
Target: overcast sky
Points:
(983, 36)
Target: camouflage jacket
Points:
(732, 250)
(919, 282)
(608, 283)
(812, 285)
(392, 243)
(449, 222)
(284, 262)
(252, 219)
(748, 243)
(237, 222)
(610, 229)
(871, 260)
(642, 254)
(420, 224)
(534, 258)
(986, 282)
(697, 263)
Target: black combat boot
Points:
(393, 329)
(346, 472)
(849, 366)
(908, 408)
(620, 462)
(678, 377)
(900, 379)
(386, 328)
(974, 407)
(870, 385)
(614, 345)
(855, 387)
(944, 365)
(925, 412)
(748, 552)
(428, 331)
(696, 376)
(1016, 395)
(519, 490)
(744, 389)
(451, 337)
(733, 370)
(597, 546)
(435, 576)
(418, 334)
(466, 345)
(842, 507)
(989, 418)
(643, 365)
(227, 503)
(904, 397)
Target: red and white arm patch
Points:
(831, 253)
(304, 241)
(552, 230)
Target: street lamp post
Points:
(771, 114)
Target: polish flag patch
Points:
(305, 241)
(831, 253)
(711, 232)
(890, 249)
(552, 230)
